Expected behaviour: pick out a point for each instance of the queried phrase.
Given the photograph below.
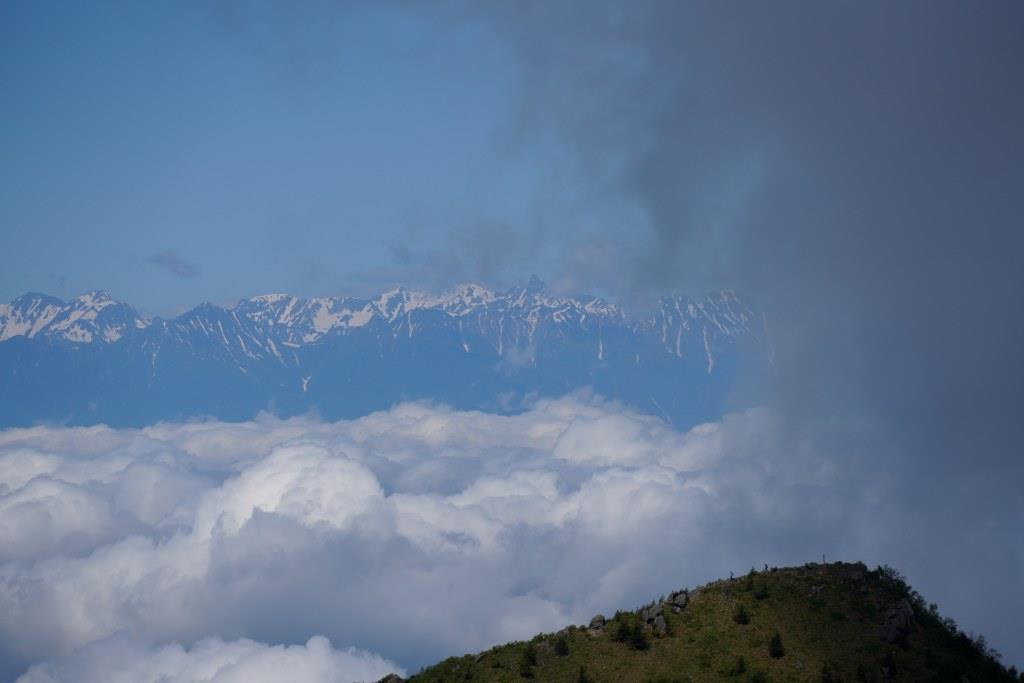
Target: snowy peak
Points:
(724, 311)
(392, 304)
(27, 315)
(269, 309)
(304, 321)
(472, 316)
(466, 298)
(703, 327)
(94, 359)
(93, 316)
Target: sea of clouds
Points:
(343, 551)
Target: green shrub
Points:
(638, 638)
(562, 646)
(740, 616)
(622, 627)
(775, 648)
(583, 677)
(528, 661)
(739, 667)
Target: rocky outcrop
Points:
(654, 617)
(855, 571)
(678, 600)
(597, 624)
(897, 623)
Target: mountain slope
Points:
(94, 359)
(819, 622)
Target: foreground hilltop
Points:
(818, 622)
(95, 359)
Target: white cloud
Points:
(122, 660)
(418, 532)
(45, 516)
(302, 481)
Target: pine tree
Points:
(638, 639)
(740, 616)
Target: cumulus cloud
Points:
(47, 515)
(122, 660)
(417, 533)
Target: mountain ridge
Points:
(36, 314)
(290, 354)
(817, 622)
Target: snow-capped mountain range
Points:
(95, 359)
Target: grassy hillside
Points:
(819, 622)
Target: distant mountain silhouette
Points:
(95, 360)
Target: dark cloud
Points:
(856, 168)
(173, 263)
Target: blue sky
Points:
(273, 150)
